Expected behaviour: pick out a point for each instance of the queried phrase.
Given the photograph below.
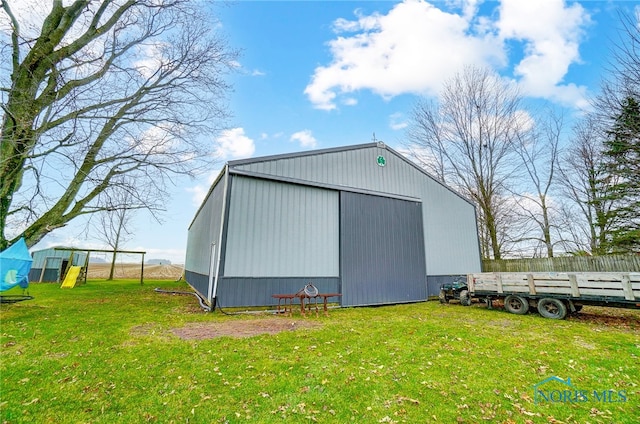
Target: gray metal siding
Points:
(451, 243)
(204, 230)
(382, 245)
(49, 276)
(281, 230)
(350, 168)
(451, 234)
(54, 258)
(39, 257)
(236, 291)
(199, 282)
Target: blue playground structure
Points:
(15, 264)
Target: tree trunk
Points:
(113, 266)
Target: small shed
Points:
(50, 265)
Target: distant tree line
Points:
(535, 195)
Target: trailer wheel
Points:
(465, 299)
(443, 297)
(516, 304)
(552, 308)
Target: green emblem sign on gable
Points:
(381, 161)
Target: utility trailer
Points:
(554, 294)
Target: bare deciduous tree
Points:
(113, 224)
(539, 153)
(467, 141)
(586, 184)
(623, 74)
(100, 90)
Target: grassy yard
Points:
(110, 352)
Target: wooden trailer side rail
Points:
(607, 286)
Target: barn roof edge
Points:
(304, 153)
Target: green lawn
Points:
(105, 352)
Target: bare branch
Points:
(467, 141)
(107, 89)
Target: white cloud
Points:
(234, 144)
(412, 49)
(305, 138)
(551, 33)
(251, 72)
(274, 136)
(71, 241)
(416, 46)
(350, 101)
(397, 121)
(156, 139)
(199, 191)
(149, 58)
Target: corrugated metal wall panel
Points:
(350, 168)
(199, 282)
(39, 256)
(281, 230)
(450, 235)
(205, 230)
(48, 255)
(234, 291)
(382, 250)
(451, 243)
(49, 276)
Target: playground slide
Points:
(71, 278)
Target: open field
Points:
(119, 352)
(132, 271)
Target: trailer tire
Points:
(465, 299)
(516, 304)
(552, 308)
(442, 296)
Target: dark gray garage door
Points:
(382, 256)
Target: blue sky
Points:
(321, 74)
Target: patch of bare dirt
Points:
(241, 328)
(627, 319)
